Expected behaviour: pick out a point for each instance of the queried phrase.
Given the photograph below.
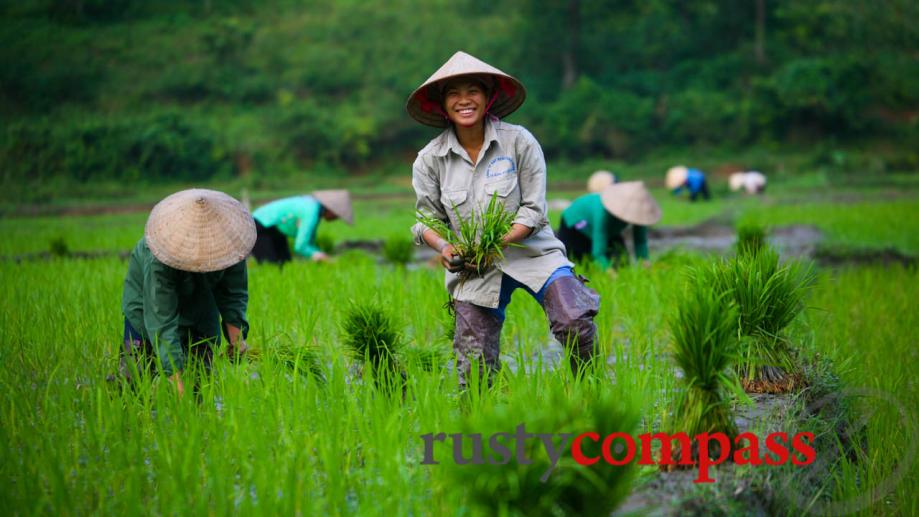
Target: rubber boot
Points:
(477, 337)
(571, 307)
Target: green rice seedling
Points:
(479, 239)
(704, 346)
(325, 242)
(300, 358)
(769, 296)
(398, 250)
(429, 358)
(544, 406)
(58, 247)
(751, 238)
(370, 331)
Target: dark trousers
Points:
(138, 354)
(580, 246)
(270, 245)
(703, 191)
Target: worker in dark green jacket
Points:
(592, 226)
(187, 283)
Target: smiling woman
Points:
(478, 158)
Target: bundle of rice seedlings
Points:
(751, 238)
(373, 336)
(769, 296)
(704, 346)
(398, 250)
(499, 484)
(299, 358)
(479, 239)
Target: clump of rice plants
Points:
(398, 250)
(428, 358)
(302, 359)
(536, 486)
(769, 295)
(480, 238)
(704, 346)
(325, 242)
(370, 331)
(58, 247)
(751, 238)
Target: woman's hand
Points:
(319, 257)
(176, 380)
(450, 259)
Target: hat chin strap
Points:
(494, 97)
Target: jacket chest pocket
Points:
(506, 192)
(455, 202)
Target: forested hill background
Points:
(172, 90)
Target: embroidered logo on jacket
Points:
(500, 166)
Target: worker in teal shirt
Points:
(592, 226)
(187, 284)
(298, 218)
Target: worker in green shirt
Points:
(184, 276)
(297, 217)
(592, 226)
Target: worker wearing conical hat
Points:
(593, 225)
(476, 157)
(752, 182)
(693, 180)
(186, 276)
(599, 180)
(297, 217)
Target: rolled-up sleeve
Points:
(305, 243)
(231, 294)
(427, 192)
(532, 180)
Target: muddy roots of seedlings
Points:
(768, 295)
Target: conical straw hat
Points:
(600, 180)
(200, 230)
(424, 104)
(736, 181)
(338, 202)
(631, 202)
(676, 176)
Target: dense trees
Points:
(182, 89)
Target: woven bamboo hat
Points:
(631, 202)
(424, 104)
(737, 180)
(676, 176)
(338, 202)
(200, 230)
(600, 180)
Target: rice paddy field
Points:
(300, 427)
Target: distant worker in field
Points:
(187, 282)
(693, 180)
(297, 217)
(593, 226)
(475, 157)
(600, 180)
(752, 182)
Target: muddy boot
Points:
(477, 337)
(571, 306)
